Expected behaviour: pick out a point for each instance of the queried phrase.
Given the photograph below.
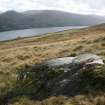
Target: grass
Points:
(15, 54)
(61, 100)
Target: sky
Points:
(76, 6)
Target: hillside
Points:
(12, 20)
(20, 56)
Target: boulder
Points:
(67, 63)
(61, 76)
(66, 83)
(88, 59)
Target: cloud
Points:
(76, 6)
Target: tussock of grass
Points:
(86, 100)
(77, 100)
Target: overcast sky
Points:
(76, 6)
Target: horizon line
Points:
(52, 10)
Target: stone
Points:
(68, 63)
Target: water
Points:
(8, 35)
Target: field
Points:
(16, 54)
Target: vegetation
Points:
(20, 56)
(12, 20)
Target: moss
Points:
(95, 79)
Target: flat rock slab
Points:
(59, 61)
(86, 59)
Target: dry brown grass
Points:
(86, 100)
(61, 100)
(36, 49)
(15, 54)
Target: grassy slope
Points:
(28, 51)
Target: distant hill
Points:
(12, 20)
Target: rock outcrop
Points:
(66, 76)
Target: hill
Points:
(12, 20)
(20, 57)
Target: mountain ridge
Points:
(12, 20)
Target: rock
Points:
(88, 59)
(59, 64)
(67, 63)
(61, 76)
(73, 67)
(59, 61)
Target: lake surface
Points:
(8, 35)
